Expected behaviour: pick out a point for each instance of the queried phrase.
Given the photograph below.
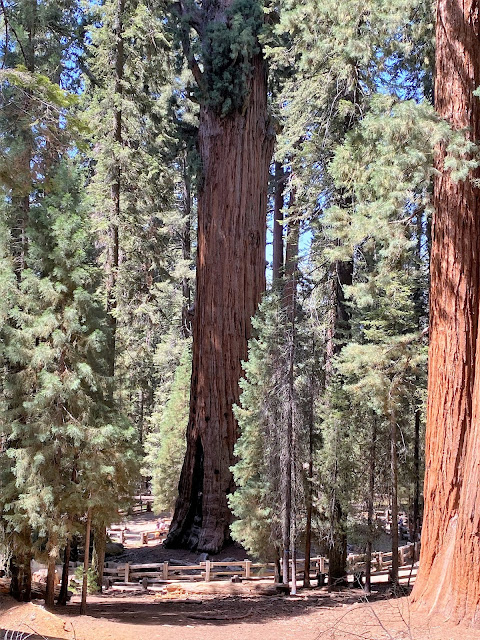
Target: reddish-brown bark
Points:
(448, 579)
(232, 201)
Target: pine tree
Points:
(128, 88)
(67, 446)
(167, 441)
(37, 126)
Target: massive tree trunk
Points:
(448, 579)
(236, 150)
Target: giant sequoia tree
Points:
(235, 145)
(448, 579)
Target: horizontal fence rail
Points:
(207, 571)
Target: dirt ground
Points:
(154, 551)
(314, 615)
(225, 611)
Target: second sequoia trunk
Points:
(448, 581)
(236, 150)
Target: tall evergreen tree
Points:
(235, 142)
(66, 444)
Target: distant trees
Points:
(167, 442)
(65, 446)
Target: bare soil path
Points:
(315, 615)
(225, 611)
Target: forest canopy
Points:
(215, 240)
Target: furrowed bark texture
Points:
(236, 152)
(449, 581)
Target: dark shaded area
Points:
(185, 535)
(222, 610)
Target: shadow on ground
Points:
(218, 610)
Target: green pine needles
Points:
(228, 49)
(66, 447)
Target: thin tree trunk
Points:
(99, 546)
(448, 580)
(277, 568)
(83, 603)
(286, 462)
(309, 487)
(394, 498)
(337, 551)
(141, 408)
(420, 312)
(416, 480)
(277, 264)
(63, 595)
(338, 328)
(236, 151)
(370, 508)
(113, 233)
(186, 251)
(287, 455)
(50, 586)
(21, 577)
(293, 588)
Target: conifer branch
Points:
(84, 67)
(8, 24)
(190, 17)
(192, 61)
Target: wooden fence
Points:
(126, 573)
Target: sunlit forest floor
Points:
(220, 610)
(313, 615)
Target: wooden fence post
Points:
(165, 570)
(321, 565)
(127, 572)
(207, 570)
(248, 568)
(380, 561)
